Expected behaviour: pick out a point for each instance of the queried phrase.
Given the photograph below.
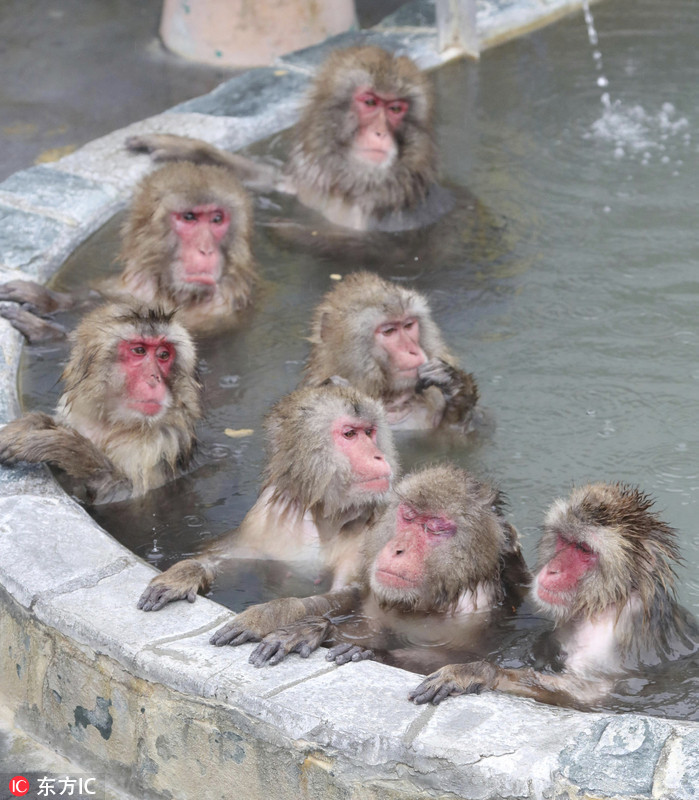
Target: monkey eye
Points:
(189, 216)
(409, 513)
(369, 431)
(350, 433)
(584, 548)
(163, 355)
(408, 324)
(138, 350)
(217, 218)
(439, 526)
(388, 330)
(370, 101)
(398, 107)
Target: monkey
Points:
(381, 338)
(606, 579)
(363, 152)
(185, 244)
(331, 462)
(125, 422)
(438, 562)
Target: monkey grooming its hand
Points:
(606, 580)
(185, 244)
(125, 421)
(440, 557)
(363, 154)
(381, 338)
(331, 462)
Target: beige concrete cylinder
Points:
(246, 33)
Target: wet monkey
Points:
(440, 556)
(363, 152)
(330, 466)
(185, 244)
(606, 579)
(381, 338)
(125, 421)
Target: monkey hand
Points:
(458, 387)
(35, 297)
(342, 653)
(32, 327)
(302, 637)
(455, 679)
(182, 581)
(257, 621)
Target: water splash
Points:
(633, 131)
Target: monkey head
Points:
(600, 547)
(440, 535)
(130, 367)
(374, 334)
(330, 447)
(366, 132)
(188, 229)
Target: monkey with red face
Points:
(185, 244)
(125, 421)
(331, 463)
(607, 581)
(363, 153)
(381, 338)
(437, 564)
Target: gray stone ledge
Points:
(144, 697)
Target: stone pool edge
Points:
(143, 698)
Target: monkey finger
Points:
(304, 649)
(191, 595)
(265, 652)
(338, 650)
(423, 693)
(442, 693)
(363, 655)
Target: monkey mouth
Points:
(203, 278)
(551, 597)
(376, 484)
(394, 580)
(149, 408)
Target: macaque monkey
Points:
(331, 462)
(125, 421)
(436, 565)
(185, 244)
(363, 152)
(381, 338)
(606, 580)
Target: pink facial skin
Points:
(401, 562)
(357, 441)
(200, 231)
(560, 577)
(401, 340)
(379, 117)
(146, 363)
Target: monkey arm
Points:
(458, 387)
(32, 327)
(36, 297)
(260, 620)
(169, 147)
(37, 438)
(181, 582)
(566, 689)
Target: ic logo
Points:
(19, 786)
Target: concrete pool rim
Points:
(143, 697)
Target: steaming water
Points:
(574, 303)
